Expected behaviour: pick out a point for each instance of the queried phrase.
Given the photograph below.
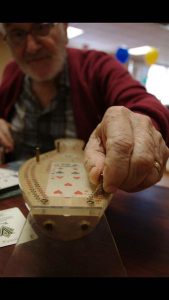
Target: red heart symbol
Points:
(78, 193)
(57, 192)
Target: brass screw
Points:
(44, 201)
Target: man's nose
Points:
(32, 44)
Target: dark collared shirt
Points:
(34, 126)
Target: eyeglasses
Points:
(17, 37)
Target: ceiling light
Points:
(140, 50)
(73, 32)
(165, 25)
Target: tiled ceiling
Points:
(110, 36)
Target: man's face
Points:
(39, 55)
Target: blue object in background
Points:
(122, 55)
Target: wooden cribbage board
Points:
(62, 201)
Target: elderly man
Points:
(51, 91)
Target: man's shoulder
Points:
(11, 71)
(11, 67)
(74, 52)
(88, 57)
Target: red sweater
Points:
(97, 81)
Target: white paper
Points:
(8, 178)
(11, 223)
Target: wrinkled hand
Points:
(6, 139)
(124, 147)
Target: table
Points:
(6, 252)
(94, 255)
(140, 225)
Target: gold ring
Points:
(157, 166)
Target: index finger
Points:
(118, 133)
